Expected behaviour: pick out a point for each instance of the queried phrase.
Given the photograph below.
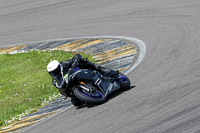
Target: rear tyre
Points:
(95, 97)
(124, 82)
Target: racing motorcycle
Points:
(90, 86)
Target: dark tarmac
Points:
(165, 98)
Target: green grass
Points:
(24, 82)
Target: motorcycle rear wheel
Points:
(96, 97)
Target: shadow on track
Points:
(111, 96)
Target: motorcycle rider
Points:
(58, 70)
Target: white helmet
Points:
(54, 68)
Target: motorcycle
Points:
(90, 86)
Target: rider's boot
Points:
(107, 71)
(104, 71)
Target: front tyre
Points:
(124, 82)
(95, 97)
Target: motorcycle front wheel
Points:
(95, 97)
(124, 82)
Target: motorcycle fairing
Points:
(109, 87)
(105, 85)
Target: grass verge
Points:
(25, 85)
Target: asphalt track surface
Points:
(167, 82)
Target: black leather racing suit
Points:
(76, 61)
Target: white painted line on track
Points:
(138, 42)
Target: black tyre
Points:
(95, 97)
(124, 82)
(76, 102)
